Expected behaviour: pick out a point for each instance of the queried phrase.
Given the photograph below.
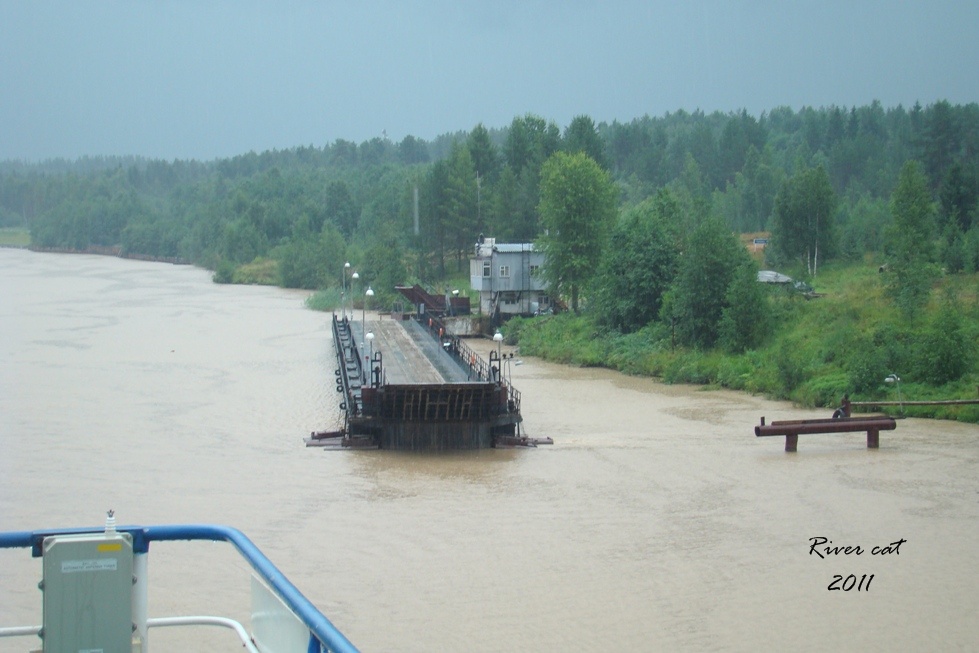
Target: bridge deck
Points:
(410, 355)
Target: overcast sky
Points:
(204, 79)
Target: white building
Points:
(507, 278)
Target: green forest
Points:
(648, 227)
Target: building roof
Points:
(509, 248)
(771, 276)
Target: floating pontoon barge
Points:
(408, 385)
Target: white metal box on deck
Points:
(88, 585)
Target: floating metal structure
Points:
(442, 396)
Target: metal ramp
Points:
(435, 304)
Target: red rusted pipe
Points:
(844, 425)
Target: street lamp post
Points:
(353, 277)
(363, 314)
(343, 290)
(895, 379)
(370, 359)
(498, 339)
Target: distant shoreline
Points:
(106, 251)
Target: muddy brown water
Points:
(656, 522)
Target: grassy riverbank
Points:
(846, 341)
(15, 237)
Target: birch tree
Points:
(803, 226)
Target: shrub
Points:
(790, 367)
(824, 391)
(260, 272)
(324, 300)
(944, 352)
(867, 366)
(225, 272)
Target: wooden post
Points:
(873, 439)
(791, 442)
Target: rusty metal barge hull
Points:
(462, 403)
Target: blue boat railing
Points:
(323, 635)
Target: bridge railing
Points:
(479, 368)
(344, 340)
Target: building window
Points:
(504, 270)
(487, 269)
(534, 270)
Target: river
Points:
(656, 522)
